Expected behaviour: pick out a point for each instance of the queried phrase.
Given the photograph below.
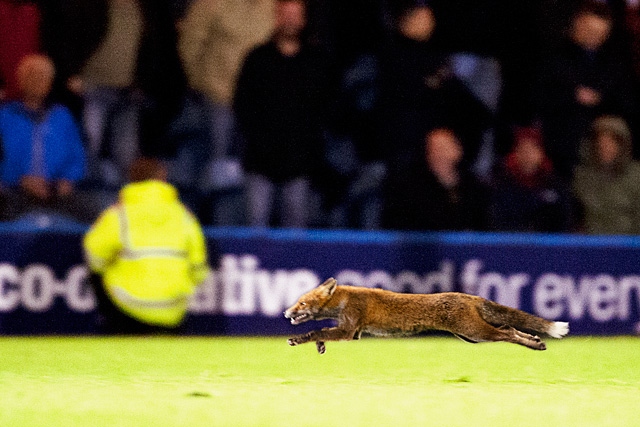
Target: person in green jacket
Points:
(146, 254)
(607, 182)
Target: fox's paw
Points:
(294, 341)
(321, 347)
(534, 342)
(300, 339)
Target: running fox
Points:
(380, 312)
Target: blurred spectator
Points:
(390, 97)
(527, 195)
(607, 182)
(435, 193)
(112, 104)
(215, 37)
(279, 103)
(19, 36)
(582, 81)
(132, 84)
(147, 254)
(43, 156)
(420, 91)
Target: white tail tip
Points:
(558, 329)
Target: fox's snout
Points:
(297, 316)
(290, 312)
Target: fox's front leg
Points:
(301, 339)
(325, 334)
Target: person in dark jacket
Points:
(419, 90)
(527, 194)
(435, 193)
(279, 109)
(582, 81)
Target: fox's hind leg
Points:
(486, 332)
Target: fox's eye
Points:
(303, 303)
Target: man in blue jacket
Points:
(43, 156)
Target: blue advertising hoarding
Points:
(591, 282)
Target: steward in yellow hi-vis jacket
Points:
(149, 252)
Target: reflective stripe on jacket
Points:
(151, 252)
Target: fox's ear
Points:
(329, 286)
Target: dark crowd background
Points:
(365, 114)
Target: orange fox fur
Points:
(379, 312)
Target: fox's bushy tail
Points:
(500, 315)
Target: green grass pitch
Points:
(219, 381)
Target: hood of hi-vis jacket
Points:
(150, 251)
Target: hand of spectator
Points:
(587, 96)
(35, 186)
(64, 188)
(75, 84)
